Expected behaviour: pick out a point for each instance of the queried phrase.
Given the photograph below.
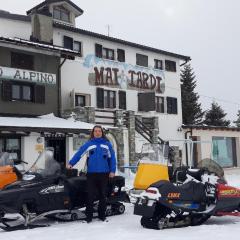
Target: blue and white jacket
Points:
(101, 156)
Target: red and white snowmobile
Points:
(202, 195)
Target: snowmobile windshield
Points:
(156, 153)
(6, 159)
(45, 164)
(211, 166)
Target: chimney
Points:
(42, 26)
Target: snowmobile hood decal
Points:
(28, 177)
(53, 189)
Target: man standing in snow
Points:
(101, 165)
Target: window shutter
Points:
(39, 94)
(146, 102)
(142, 60)
(6, 91)
(121, 55)
(100, 98)
(98, 50)
(122, 100)
(162, 105)
(175, 107)
(114, 101)
(68, 42)
(172, 105)
(169, 105)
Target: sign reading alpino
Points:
(26, 75)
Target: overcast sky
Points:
(206, 30)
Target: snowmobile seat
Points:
(77, 190)
(73, 172)
(195, 173)
(179, 174)
(118, 181)
(190, 191)
(77, 184)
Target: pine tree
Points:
(237, 122)
(216, 116)
(191, 109)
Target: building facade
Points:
(222, 144)
(134, 88)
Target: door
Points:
(195, 152)
(59, 145)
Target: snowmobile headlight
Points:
(151, 191)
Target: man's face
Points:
(97, 132)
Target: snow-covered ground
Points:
(127, 227)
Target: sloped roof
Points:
(47, 2)
(117, 40)
(63, 51)
(97, 35)
(18, 17)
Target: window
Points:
(15, 91)
(121, 55)
(109, 99)
(69, 43)
(224, 151)
(106, 98)
(11, 145)
(160, 104)
(61, 13)
(22, 92)
(108, 53)
(22, 61)
(146, 101)
(142, 60)
(158, 64)
(98, 50)
(77, 46)
(80, 100)
(172, 105)
(170, 66)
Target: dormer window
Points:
(61, 14)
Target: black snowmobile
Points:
(202, 195)
(45, 191)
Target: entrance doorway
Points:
(59, 145)
(196, 151)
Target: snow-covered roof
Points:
(209, 127)
(47, 47)
(46, 122)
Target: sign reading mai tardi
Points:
(26, 75)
